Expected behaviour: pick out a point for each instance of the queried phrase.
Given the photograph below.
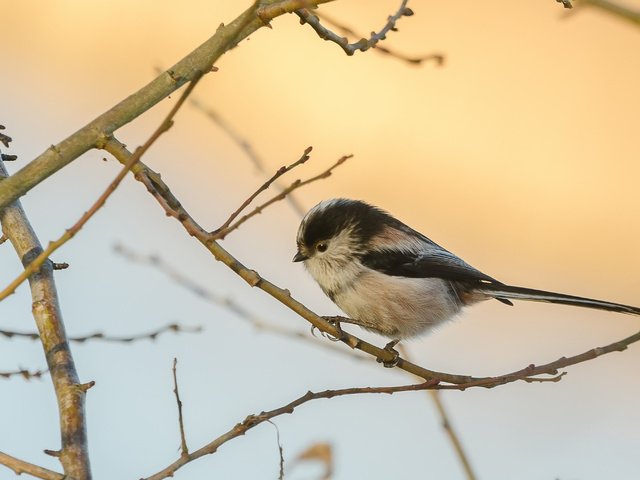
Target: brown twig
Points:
(35, 264)
(280, 450)
(613, 8)
(252, 421)
(70, 393)
(438, 58)
(184, 450)
(281, 171)
(532, 373)
(25, 374)
(363, 44)
(20, 467)
(173, 327)
(221, 233)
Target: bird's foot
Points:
(335, 321)
(396, 356)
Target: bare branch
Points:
(281, 171)
(616, 9)
(20, 467)
(152, 335)
(25, 374)
(280, 450)
(184, 450)
(200, 61)
(252, 421)
(438, 58)
(35, 264)
(174, 208)
(70, 393)
(221, 233)
(363, 44)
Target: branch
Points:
(615, 9)
(161, 192)
(70, 393)
(221, 233)
(189, 68)
(152, 335)
(25, 374)
(438, 58)
(184, 450)
(20, 467)
(363, 44)
(35, 264)
(252, 421)
(281, 171)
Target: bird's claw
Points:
(396, 356)
(335, 321)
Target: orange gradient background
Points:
(520, 154)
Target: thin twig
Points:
(280, 450)
(361, 45)
(35, 264)
(221, 233)
(25, 374)
(438, 58)
(532, 373)
(184, 450)
(613, 8)
(252, 421)
(20, 467)
(281, 171)
(152, 335)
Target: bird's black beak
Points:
(299, 257)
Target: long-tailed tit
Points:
(395, 281)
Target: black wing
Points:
(433, 262)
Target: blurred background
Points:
(520, 154)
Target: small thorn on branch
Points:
(59, 266)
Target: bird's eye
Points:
(321, 247)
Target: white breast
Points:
(397, 307)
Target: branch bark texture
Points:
(70, 394)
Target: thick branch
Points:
(70, 394)
(199, 61)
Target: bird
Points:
(393, 280)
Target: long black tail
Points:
(504, 292)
